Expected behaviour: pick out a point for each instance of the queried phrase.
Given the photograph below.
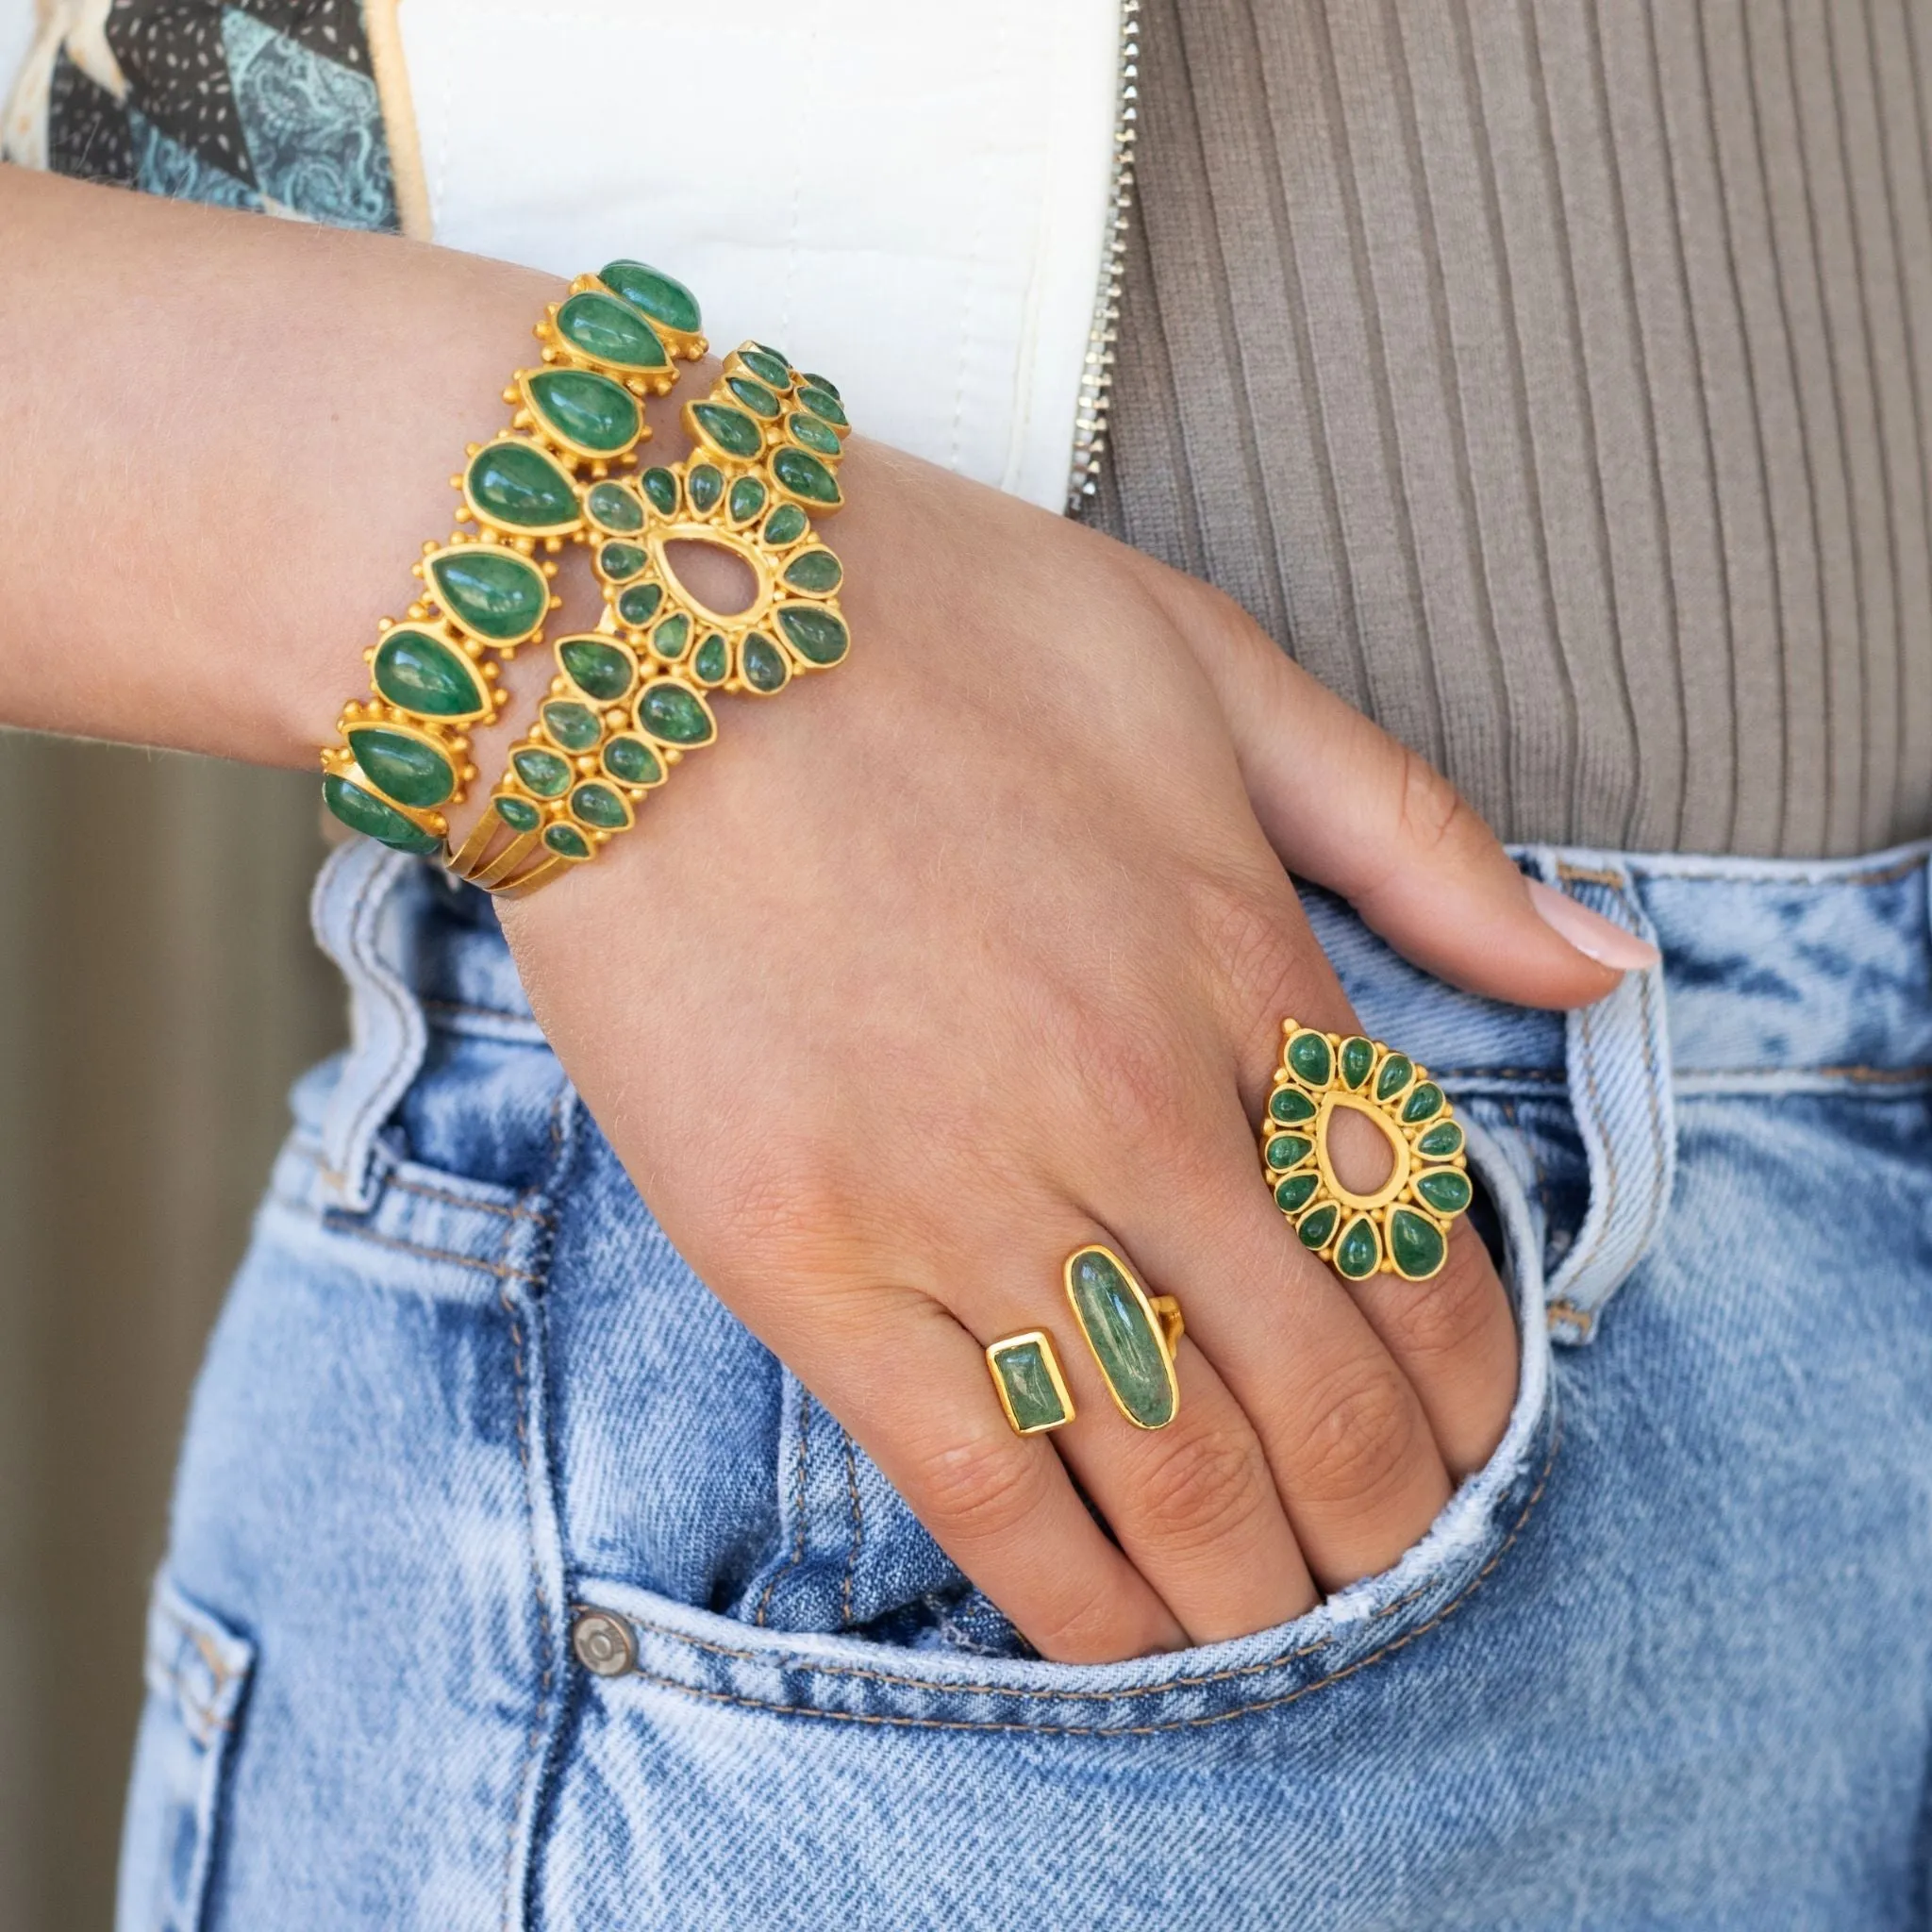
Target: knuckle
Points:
(979, 1491)
(1451, 1315)
(1364, 1436)
(1251, 932)
(1137, 1081)
(1432, 814)
(1203, 1490)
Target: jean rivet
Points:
(602, 1643)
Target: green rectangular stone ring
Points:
(1026, 1373)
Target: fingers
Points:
(1347, 805)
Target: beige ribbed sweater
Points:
(1554, 379)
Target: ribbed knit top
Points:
(1554, 379)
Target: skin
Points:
(935, 968)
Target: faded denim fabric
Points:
(1666, 1662)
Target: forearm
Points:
(229, 439)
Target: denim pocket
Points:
(197, 1671)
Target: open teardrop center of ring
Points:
(715, 576)
(1393, 1182)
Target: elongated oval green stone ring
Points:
(1131, 1334)
(1399, 1227)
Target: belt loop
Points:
(1619, 1057)
(356, 910)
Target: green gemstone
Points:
(402, 766)
(497, 594)
(612, 505)
(542, 771)
(598, 668)
(1447, 1190)
(823, 382)
(1292, 1105)
(754, 395)
(1284, 1150)
(803, 475)
(706, 486)
(1397, 1071)
(587, 410)
(638, 604)
(423, 673)
(660, 298)
(1317, 1225)
(813, 434)
(672, 636)
(1309, 1057)
(515, 484)
(1444, 1142)
(1292, 1195)
(816, 635)
(519, 814)
(764, 664)
(660, 486)
(1359, 1253)
(362, 811)
(712, 661)
(816, 572)
(671, 714)
(566, 841)
(1120, 1331)
(633, 761)
(747, 499)
(1426, 1100)
(607, 331)
(1030, 1394)
(597, 805)
(729, 431)
(1358, 1057)
(767, 365)
(620, 561)
(572, 725)
(786, 525)
(822, 400)
(1415, 1245)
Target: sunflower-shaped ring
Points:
(1399, 1227)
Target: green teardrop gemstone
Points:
(767, 365)
(1415, 1245)
(597, 667)
(586, 410)
(1426, 1100)
(632, 760)
(402, 766)
(821, 400)
(423, 673)
(1358, 1057)
(1284, 1150)
(608, 330)
(638, 604)
(516, 485)
(660, 486)
(620, 561)
(1359, 1253)
(1447, 1190)
(706, 486)
(1293, 1193)
(575, 726)
(712, 661)
(786, 525)
(1120, 1331)
(494, 593)
(1397, 1071)
(764, 664)
(1310, 1058)
(816, 572)
(1317, 1225)
(668, 712)
(1444, 1142)
(747, 499)
(519, 814)
(803, 475)
(542, 771)
(658, 294)
(823, 382)
(362, 811)
(1292, 1105)
(816, 635)
(614, 508)
(729, 431)
(671, 637)
(597, 805)
(754, 395)
(813, 434)
(566, 842)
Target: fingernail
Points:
(1591, 934)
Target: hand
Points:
(977, 950)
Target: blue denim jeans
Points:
(1667, 1660)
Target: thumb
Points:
(1352, 808)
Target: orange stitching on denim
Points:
(1218, 1717)
(198, 1711)
(333, 1223)
(455, 1200)
(1876, 1076)
(799, 1471)
(443, 1006)
(1576, 1265)
(1561, 1311)
(857, 1530)
(382, 872)
(1586, 875)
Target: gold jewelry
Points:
(1401, 1227)
(1132, 1335)
(609, 344)
(1027, 1376)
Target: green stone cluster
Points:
(1406, 1235)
